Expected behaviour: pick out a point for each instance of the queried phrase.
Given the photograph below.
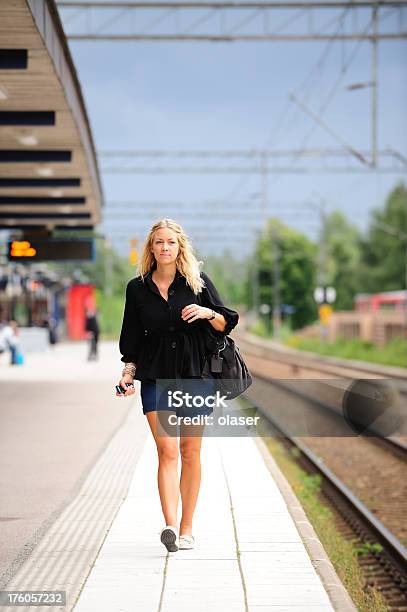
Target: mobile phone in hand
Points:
(120, 389)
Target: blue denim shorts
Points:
(155, 396)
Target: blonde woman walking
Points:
(171, 310)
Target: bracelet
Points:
(213, 315)
(130, 364)
(127, 373)
(129, 369)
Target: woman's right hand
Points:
(129, 390)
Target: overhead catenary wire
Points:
(289, 105)
(245, 178)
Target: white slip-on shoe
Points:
(169, 537)
(186, 542)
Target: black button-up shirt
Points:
(157, 339)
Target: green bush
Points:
(393, 354)
(110, 314)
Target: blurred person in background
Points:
(3, 342)
(93, 329)
(52, 330)
(9, 334)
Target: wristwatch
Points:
(213, 315)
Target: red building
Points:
(78, 299)
(389, 301)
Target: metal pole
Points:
(323, 258)
(264, 211)
(323, 245)
(374, 87)
(276, 286)
(255, 286)
(321, 276)
(405, 305)
(264, 189)
(108, 268)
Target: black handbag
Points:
(228, 367)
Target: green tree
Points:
(342, 259)
(229, 276)
(383, 255)
(297, 266)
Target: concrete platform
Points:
(256, 551)
(249, 555)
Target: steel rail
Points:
(393, 547)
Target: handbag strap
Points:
(224, 345)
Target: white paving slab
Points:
(249, 555)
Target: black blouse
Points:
(157, 339)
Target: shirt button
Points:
(171, 328)
(171, 292)
(173, 344)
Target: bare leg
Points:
(167, 476)
(190, 447)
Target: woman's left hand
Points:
(192, 312)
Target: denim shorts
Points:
(155, 396)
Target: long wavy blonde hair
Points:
(186, 262)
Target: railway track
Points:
(325, 380)
(392, 444)
(385, 560)
(395, 446)
(298, 362)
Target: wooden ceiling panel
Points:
(48, 84)
(31, 170)
(62, 135)
(85, 189)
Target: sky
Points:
(226, 96)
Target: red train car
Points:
(394, 301)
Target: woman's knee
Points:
(168, 452)
(190, 452)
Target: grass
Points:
(392, 354)
(261, 328)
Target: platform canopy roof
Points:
(49, 175)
